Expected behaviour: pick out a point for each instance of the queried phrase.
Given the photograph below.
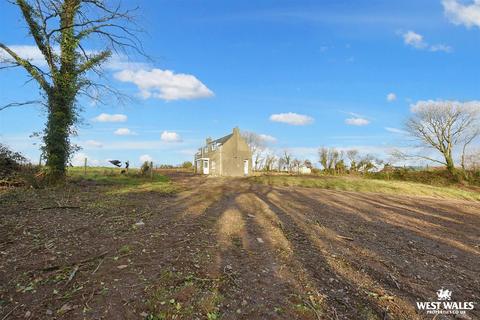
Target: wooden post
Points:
(151, 170)
(85, 167)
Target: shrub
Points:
(431, 177)
(187, 165)
(10, 162)
(145, 168)
(15, 169)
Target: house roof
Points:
(223, 139)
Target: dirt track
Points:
(230, 248)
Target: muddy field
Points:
(233, 249)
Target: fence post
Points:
(151, 170)
(85, 167)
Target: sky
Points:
(303, 74)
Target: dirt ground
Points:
(233, 249)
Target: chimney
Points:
(209, 140)
(236, 131)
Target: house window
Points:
(214, 146)
(213, 165)
(205, 150)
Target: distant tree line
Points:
(337, 161)
(447, 128)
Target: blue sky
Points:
(307, 73)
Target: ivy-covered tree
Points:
(64, 31)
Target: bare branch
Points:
(19, 104)
(37, 31)
(405, 156)
(31, 69)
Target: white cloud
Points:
(395, 130)
(416, 40)
(357, 121)
(165, 84)
(391, 97)
(440, 47)
(124, 132)
(145, 158)
(28, 52)
(267, 138)
(105, 117)
(78, 160)
(170, 136)
(121, 62)
(291, 118)
(459, 13)
(93, 144)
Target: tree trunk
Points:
(57, 137)
(450, 164)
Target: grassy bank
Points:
(361, 184)
(431, 177)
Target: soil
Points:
(225, 248)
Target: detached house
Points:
(227, 156)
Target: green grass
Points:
(133, 182)
(360, 184)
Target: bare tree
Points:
(61, 30)
(472, 160)
(329, 158)
(340, 166)
(332, 158)
(270, 161)
(323, 157)
(257, 146)
(368, 162)
(308, 164)
(470, 136)
(443, 126)
(296, 163)
(287, 160)
(352, 156)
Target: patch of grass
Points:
(159, 187)
(367, 313)
(125, 249)
(133, 182)
(361, 184)
(310, 306)
(184, 296)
